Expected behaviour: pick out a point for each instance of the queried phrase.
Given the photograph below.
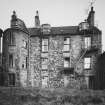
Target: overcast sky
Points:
(54, 12)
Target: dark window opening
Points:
(11, 79)
(11, 60)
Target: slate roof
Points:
(71, 30)
(56, 30)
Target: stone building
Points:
(52, 57)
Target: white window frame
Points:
(87, 42)
(87, 63)
(44, 63)
(45, 81)
(45, 45)
(66, 46)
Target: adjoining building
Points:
(51, 57)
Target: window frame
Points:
(43, 45)
(11, 62)
(44, 63)
(65, 60)
(66, 44)
(88, 64)
(11, 38)
(87, 42)
(46, 81)
(12, 81)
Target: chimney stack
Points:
(13, 19)
(37, 20)
(90, 18)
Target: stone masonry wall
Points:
(34, 61)
(19, 54)
(55, 58)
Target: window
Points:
(44, 45)
(11, 37)
(44, 63)
(67, 62)
(12, 79)
(66, 44)
(87, 63)
(87, 42)
(11, 60)
(45, 81)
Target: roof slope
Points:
(72, 30)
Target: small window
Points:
(11, 60)
(87, 63)
(67, 62)
(44, 45)
(87, 42)
(66, 44)
(44, 63)
(11, 79)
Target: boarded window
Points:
(87, 63)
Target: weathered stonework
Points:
(26, 45)
(35, 61)
(19, 54)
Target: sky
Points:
(54, 12)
